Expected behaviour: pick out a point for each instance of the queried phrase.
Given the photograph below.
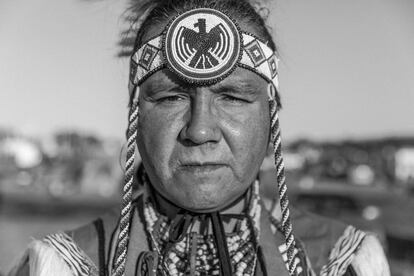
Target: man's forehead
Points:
(240, 80)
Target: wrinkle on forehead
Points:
(241, 80)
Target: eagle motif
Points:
(202, 49)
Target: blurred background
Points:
(346, 78)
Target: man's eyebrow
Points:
(155, 87)
(237, 87)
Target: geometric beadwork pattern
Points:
(273, 65)
(255, 52)
(148, 54)
(146, 60)
(260, 58)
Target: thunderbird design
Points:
(202, 49)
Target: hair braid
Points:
(126, 211)
(281, 181)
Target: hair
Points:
(142, 16)
(252, 13)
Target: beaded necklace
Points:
(196, 253)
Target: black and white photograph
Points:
(206, 137)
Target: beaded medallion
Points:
(202, 45)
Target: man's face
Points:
(202, 147)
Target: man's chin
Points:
(203, 205)
(205, 192)
(205, 201)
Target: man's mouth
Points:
(202, 167)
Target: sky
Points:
(347, 67)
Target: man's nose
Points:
(202, 125)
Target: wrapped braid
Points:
(282, 188)
(126, 211)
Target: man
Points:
(204, 107)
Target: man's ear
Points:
(268, 162)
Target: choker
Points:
(196, 243)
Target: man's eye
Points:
(233, 99)
(171, 98)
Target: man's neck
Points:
(237, 207)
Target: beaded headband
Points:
(202, 47)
